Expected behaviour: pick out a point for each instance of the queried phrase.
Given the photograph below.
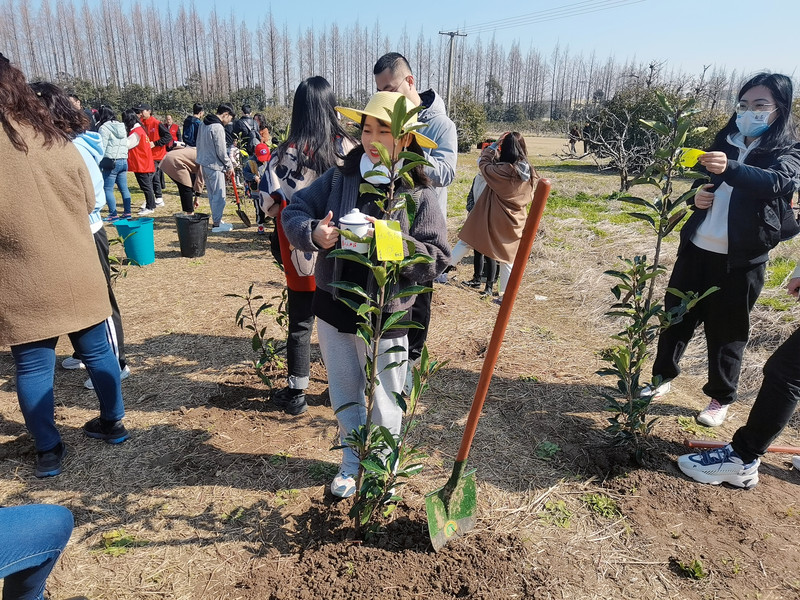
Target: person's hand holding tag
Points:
(689, 157)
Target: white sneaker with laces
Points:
(713, 415)
(159, 202)
(222, 227)
(123, 375)
(72, 363)
(655, 393)
(343, 485)
(721, 465)
(146, 211)
(143, 205)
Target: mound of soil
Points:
(397, 564)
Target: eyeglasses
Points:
(743, 107)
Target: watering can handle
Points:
(503, 316)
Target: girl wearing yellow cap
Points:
(310, 224)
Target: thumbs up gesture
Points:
(325, 234)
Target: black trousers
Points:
(421, 313)
(484, 266)
(158, 179)
(118, 335)
(145, 181)
(725, 315)
(298, 342)
(775, 403)
(187, 197)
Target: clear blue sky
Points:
(687, 33)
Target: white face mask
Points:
(366, 166)
(752, 123)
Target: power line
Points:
(571, 10)
(536, 14)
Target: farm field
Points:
(218, 495)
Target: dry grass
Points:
(216, 481)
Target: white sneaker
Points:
(222, 227)
(159, 202)
(713, 415)
(343, 485)
(72, 363)
(655, 393)
(721, 465)
(123, 375)
(146, 211)
(143, 205)
(796, 462)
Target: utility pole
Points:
(453, 35)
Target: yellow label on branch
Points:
(689, 157)
(388, 240)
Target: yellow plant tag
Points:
(689, 157)
(388, 240)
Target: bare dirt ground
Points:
(224, 497)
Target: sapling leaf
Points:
(368, 188)
(386, 160)
(352, 304)
(350, 254)
(350, 287)
(346, 406)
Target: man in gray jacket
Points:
(212, 156)
(393, 74)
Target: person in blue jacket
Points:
(738, 217)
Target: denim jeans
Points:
(35, 364)
(117, 175)
(31, 540)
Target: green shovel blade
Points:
(451, 515)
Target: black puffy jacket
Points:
(760, 213)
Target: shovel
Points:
(242, 215)
(451, 509)
(708, 444)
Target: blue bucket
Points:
(139, 242)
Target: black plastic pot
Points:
(192, 234)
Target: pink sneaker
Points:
(713, 415)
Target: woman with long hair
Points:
(51, 281)
(140, 159)
(114, 165)
(309, 224)
(754, 169)
(494, 225)
(316, 142)
(73, 122)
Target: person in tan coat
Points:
(51, 281)
(494, 226)
(181, 166)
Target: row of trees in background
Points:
(172, 57)
(177, 52)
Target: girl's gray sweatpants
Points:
(345, 356)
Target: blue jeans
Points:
(31, 540)
(119, 175)
(35, 364)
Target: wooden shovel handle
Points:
(503, 316)
(718, 444)
(235, 190)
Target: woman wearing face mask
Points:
(308, 222)
(739, 216)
